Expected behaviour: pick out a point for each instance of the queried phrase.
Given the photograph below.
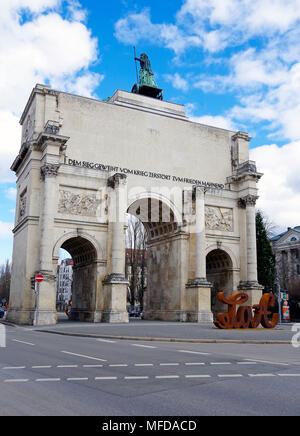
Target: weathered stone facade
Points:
(84, 163)
(286, 248)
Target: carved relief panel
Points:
(83, 203)
(22, 205)
(219, 218)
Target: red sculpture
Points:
(246, 317)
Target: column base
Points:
(115, 299)
(198, 301)
(254, 291)
(20, 317)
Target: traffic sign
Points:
(39, 278)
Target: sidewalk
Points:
(169, 331)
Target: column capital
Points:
(49, 170)
(116, 180)
(199, 191)
(249, 200)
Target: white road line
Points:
(220, 363)
(261, 375)
(288, 375)
(41, 367)
(246, 363)
(118, 365)
(193, 352)
(22, 342)
(92, 366)
(82, 355)
(48, 379)
(14, 367)
(24, 380)
(106, 378)
(195, 364)
(67, 366)
(198, 376)
(106, 340)
(136, 378)
(143, 364)
(230, 375)
(166, 376)
(77, 379)
(142, 346)
(267, 361)
(169, 364)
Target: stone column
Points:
(251, 286)
(115, 284)
(199, 289)
(47, 301)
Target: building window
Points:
(298, 269)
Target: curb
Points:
(195, 341)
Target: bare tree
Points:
(136, 260)
(5, 277)
(272, 229)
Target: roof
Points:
(276, 238)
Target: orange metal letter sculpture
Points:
(244, 318)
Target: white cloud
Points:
(44, 48)
(279, 188)
(177, 81)
(6, 230)
(11, 193)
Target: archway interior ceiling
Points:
(218, 260)
(81, 250)
(156, 216)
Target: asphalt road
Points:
(52, 375)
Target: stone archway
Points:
(84, 286)
(163, 297)
(219, 272)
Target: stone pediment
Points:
(291, 237)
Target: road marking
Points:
(118, 365)
(24, 380)
(41, 367)
(22, 342)
(267, 361)
(136, 378)
(288, 375)
(67, 366)
(198, 376)
(78, 379)
(230, 375)
(193, 352)
(82, 355)
(106, 340)
(194, 364)
(48, 379)
(169, 364)
(166, 376)
(261, 375)
(246, 363)
(220, 363)
(143, 364)
(142, 346)
(14, 367)
(106, 378)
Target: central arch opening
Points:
(161, 294)
(219, 272)
(83, 258)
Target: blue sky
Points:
(232, 63)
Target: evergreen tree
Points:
(5, 276)
(265, 255)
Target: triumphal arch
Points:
(85, 163)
